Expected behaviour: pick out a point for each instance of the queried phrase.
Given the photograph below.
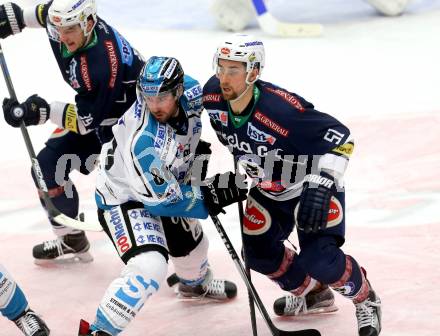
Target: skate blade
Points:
(78, 258)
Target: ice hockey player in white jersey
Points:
(15, 307)
(148, 173)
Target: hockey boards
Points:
(273, 26)
(52, 211)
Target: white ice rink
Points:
(379, 75)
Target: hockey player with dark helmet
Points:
(161, 82)
(102, 67)
(146, 172)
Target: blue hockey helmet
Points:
(160, 75)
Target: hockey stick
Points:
(52, 211)
(274, 330)
(247, 269)
(273, 26)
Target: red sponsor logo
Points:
(292, 100)
(253, 219)
(85, 73)
(56, 19)
(225, 51)
(215, 98)
(335, 213)
(266, 121)
(113, 62)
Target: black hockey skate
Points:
(216, 289)
(84, 330)
(315, 302)
(66, 249)
(31, 324)
(369, 314)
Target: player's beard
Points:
(230, 95)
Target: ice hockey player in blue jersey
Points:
(15, 307)
(102, 68)
(296, 157)
(149, 196)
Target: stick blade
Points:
(62, 219)
(272, 26)
(305, 332)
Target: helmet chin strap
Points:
(248, 85)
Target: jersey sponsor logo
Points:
(113, 62)
(137, 110)
(243, 146)
(194, 92)
(218, 115)
(197, 127)
(257, 219)
(85, 72)
(344, 150)
(212, 98)
(125, 48)
(147, 229)
(70, 118)
(289, 98)
(73, 81)
(266, 121)
(118, 230)
(159, 140)
(258, 135)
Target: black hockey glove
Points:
(203, 153)
(223, 190)
(35, 110)
(11, 19)
(314, 203)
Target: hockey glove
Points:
(223, 190)
(34, 111)
(11, 19)
(314, 203)
(203, 152)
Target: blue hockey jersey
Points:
(283, 139)
(103, 74)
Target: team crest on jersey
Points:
(257, 219)
(218, 115)
(259, 136)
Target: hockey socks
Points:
(127, 294)
(12, 300)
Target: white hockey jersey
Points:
(149, 162)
